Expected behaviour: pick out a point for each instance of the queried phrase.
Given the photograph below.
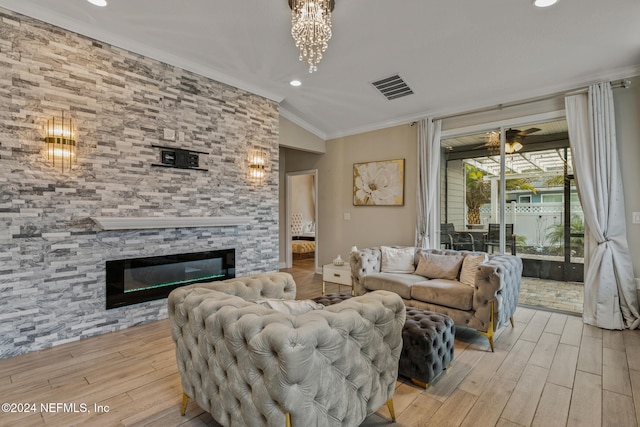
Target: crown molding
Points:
(302, 123)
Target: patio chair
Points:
(492, 238)
(452, 239)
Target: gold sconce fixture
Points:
(61, 142)
(257, 164)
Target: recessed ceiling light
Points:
(295, 83)
(100, 3)
(544, 3)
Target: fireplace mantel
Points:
(150, 222)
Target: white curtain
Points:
(428, 188)
(610, 299)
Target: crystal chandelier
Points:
(311, 28)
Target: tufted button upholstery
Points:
(248, 365)
(364, 262)
(427, 341)
(300, 247)
(497, 280)
(296, 224)
(497, 284)
(427, 349)
(330, 299)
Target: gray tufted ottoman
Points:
(427, 342)
(427, 345)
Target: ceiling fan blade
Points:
(528, 131)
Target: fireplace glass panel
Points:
(131, 281)
(178, 273)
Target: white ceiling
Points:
(456, 55)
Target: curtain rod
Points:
(625, 83)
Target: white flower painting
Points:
(379, 183)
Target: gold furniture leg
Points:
(426, 385)
(287, 419)
(391, 410)
(489, 333)
(185, 400)
(419, 383)
(511, 320)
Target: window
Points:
(524, 199)
(552, 198)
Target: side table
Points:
(338, 274)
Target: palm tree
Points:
(478, 192)
(520, 184)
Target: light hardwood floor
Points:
(550, 370)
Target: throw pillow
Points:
(397, 260)
(435, 266)
(470, 267)
(290, 306)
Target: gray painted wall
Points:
(52, 256)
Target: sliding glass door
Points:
(512, 189)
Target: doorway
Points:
(301, 219)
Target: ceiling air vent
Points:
(392, 87)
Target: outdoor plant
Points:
(556, 236)
(520, 184)
(521, 242)
(478, 192)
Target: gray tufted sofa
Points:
(249, 365)
(486, 306)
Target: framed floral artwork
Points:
(378, 183)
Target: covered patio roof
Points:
(543, 150)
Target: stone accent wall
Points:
(52, 256)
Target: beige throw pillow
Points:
(290, 306)
(470, 268)
(435, 266)
(397, 260)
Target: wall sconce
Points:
(257, 164)
(61, 142)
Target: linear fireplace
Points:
(131, 281)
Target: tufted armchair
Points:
(249, 365)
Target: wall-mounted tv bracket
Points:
(171, 157)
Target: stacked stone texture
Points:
(52, 255)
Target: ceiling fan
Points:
(514, 139)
